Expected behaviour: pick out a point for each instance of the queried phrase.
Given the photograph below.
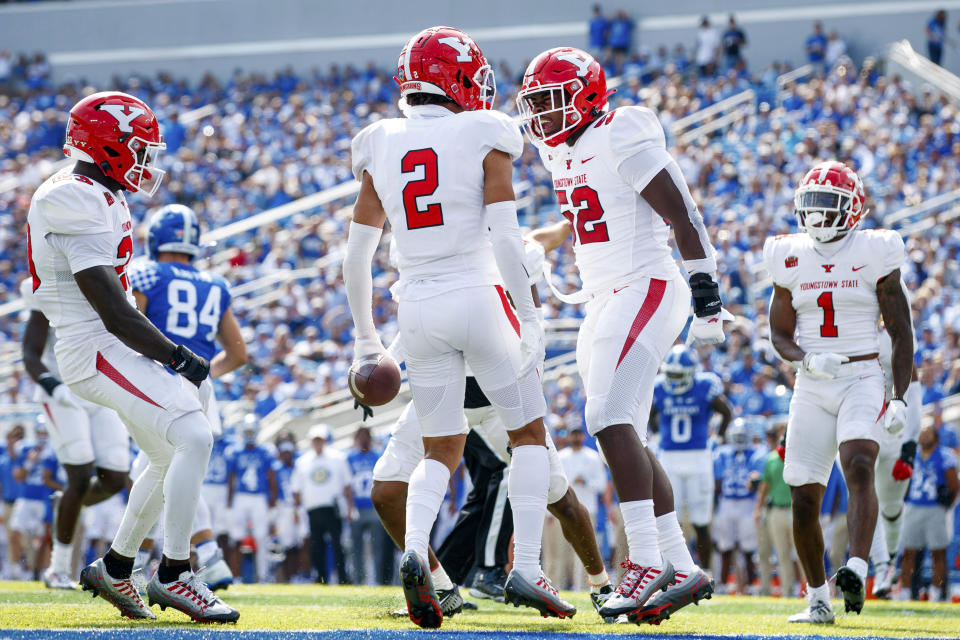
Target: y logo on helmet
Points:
(124, 113)
(582, 65)
(463, 50)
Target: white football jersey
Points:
(835, 297)
(74, 224)
(48, 359)
(428, 172)
(617, 234)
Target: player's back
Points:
(428, 172)
(184, 302)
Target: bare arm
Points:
(721, 405)
(497, 177)
(551, 236)
(231, 482)
(272, 487)
(895, 309)
(950, 475)
(783, 325)
(103, 291)
(141, 301)
(234, 352)
(34, 340)
(50, 482)
(368, 209)
(663, 195)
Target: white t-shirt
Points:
(708, 39)
(74, 224)
(320, 479)
(617, 234)
(835, 296)
(586, 474)
(428, 172)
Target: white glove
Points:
(532, 347)
(709, 329)
(366, 346)
(823, 366)
(64, 397)
(895, 417)
(533, 257)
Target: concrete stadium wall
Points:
(95, 39)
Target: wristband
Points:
(706, 295)
(49, 382)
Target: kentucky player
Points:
(192, 307)
(251, 491)
(684, 401)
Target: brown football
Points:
(374, 380)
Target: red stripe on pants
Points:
(108, 370)
(650, 305)
(511, 316)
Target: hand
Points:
(823, 366)
(367, 411)
(533, 257)
(189, 365)
(366, 346)
(709, 329)
(532, 348)
(64, 397)
(895, 417)
(903, 467)
(944, 495)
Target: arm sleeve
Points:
(85, 251)
(358, 279)
(500, 133)
(508, 253)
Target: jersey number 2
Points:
(829, 328)
(124, 252)
(432, 215)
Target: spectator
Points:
(933, 489)
(836, 48)
(774, 502)
(936, 31)
(361, 460)
(251, 492)
(621, 33)
(34, 468)
(291, 523)
(10, 489)
(734, 39)
(6, 68)
(708, 48)
(599, 30)
(816, 45)
(321, 481)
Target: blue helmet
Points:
(737, 434)
(678, 369)
(173, 228)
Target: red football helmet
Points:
(576, 85)
(447, 62)
(119, 134)
(829, 188)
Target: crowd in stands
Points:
(273, 139)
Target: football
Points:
(374, 380)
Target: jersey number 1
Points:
(829, 328)
(432, 215)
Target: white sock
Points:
(428, 485)
(441, 581)
(934, 594)
(60, 557)
(821, 594)
(641, 527)
(527, 488)
(598, 581)
(859, 566)
(205, 551)
(672, 544)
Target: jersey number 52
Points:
(584, 214)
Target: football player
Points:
(89, 440)
(684, 400)
(192, 305)
(79, 243)
(831, 284)
(620, 193)
(443, 176)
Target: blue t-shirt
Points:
(361, 466)
(217, 467)
(32, 487)
(929, 474)
(598, 32)
(685, 418)
(816, 47)
(250, 467)
(186, 304)
(733, 468)
(936, 32)
(284, 474)
(11, 488)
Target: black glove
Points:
(908, 452)
(367, 411)
(706, 295)
(49, 382)
(944, 495)
(189, 365)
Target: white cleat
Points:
(53, 580)
(819, 612)
(216, 573)
(637, 586)
(883, 581)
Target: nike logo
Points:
(586, 160)
(858, 268)
(620, 289)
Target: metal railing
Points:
(907, 216)
(902, 60)
(714, 117)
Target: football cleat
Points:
(852, 587)
(637, 586)
(597, 598)
(488, 584)
(685, 588)
(122, 594)
(53, 580)
(423, 605)
(139, 580)
(189, 595)
(819, 612)
(451, 603)
(216, 573)
(539, 595)
(883, 580)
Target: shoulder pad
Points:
(74, 207)
(632, 130)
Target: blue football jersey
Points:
(250, 467)
(733, 469)
(217, 467)
(361, 466)
(929, 474)
(33, 487)
(284, 475)
(685, 418)
(186, 304)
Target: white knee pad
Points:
(558, 478)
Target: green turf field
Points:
(302, 607)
